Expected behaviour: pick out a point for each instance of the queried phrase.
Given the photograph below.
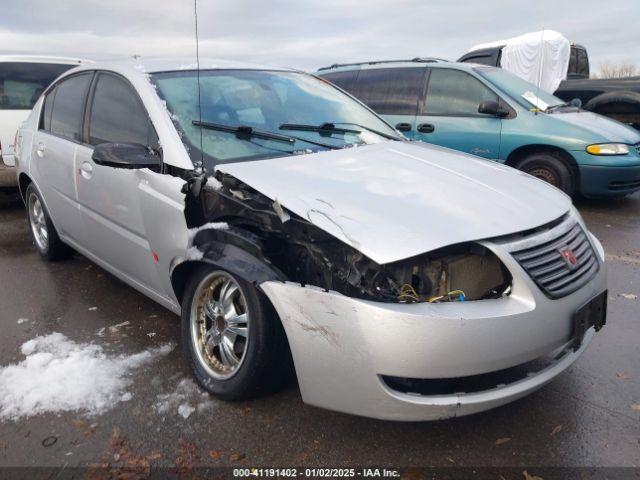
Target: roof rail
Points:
(376, 62)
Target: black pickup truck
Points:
(618, 98)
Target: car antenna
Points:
(195, 12)
(540, 71)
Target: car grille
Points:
(637, 145)
(554, 273)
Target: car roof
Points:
(419, 62)
(155, 65)
(43, 59)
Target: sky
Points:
(309, 34)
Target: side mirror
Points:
(576, 102)
(125, 155)
(490, 107)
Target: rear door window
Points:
(21, 84)
(48, 108)
(117, 114)
(453, 92)
(582, 63)
(391, 91)
(68, 106)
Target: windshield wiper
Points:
(245, 132)
(372, 130)
(559, 106)
(325, 127)
(330, 127)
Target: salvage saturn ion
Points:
(285, 220)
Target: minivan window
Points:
(21, 84)
(117, 115)
(344, 80)
(391, 91)
(482, 60)
(68, 106)
(453, 92)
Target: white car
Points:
(283, 219)
(22, 80)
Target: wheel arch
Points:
(617, 96)
(561, 154)
(23, 183)
(233, 250)
(621, 105)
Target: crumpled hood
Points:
(394, 200)
(599, 126)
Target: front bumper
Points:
(613, 176)
(8, 176)
(343, 347)
(609, 181)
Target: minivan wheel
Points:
(44, 234)
(231, 336)
(549, 168)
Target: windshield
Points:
(526, 94)
(267, 102)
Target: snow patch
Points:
(207, 226)
(214, 183)
(186, 399)
(60, 375)
(185, 410)
(193, 253)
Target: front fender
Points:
(234, 250)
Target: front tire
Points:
(549, 168)
(231, 336)
(44, 234)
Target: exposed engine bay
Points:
(303, 253)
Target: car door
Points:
(54, 151)
(449, 115)
(393, 93)
(109, 197)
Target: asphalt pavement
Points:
(589, 416)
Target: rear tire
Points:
(549, 168)
(44, 234)
(231, 336)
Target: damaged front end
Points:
(263, 241)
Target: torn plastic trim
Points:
(292, 249)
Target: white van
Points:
(22, 80)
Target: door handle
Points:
(426, 128)
(403, 127)
(86, 170)
(40, 149)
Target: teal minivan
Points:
(489, 112)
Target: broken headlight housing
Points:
(456, 273)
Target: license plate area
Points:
(591, 314)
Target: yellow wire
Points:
(408, 292)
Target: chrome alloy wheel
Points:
(219, 325)
(38, 222)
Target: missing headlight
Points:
(455, 273)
